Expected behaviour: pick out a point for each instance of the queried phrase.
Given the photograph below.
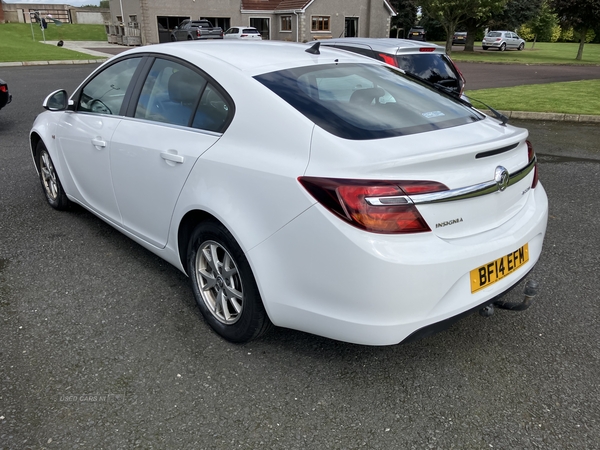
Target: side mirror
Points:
(57, 101)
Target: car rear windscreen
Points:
(432, 67)
(365, 101)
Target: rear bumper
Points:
(339, 282)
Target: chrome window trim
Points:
(475, 190)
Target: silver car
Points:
(423, 59)
(502, 40)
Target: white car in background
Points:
(250, 33)
(305, 187)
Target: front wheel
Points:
(521, 46)
(223, 284)
(484, 47)
(502, 47)
(55, 194)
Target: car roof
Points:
(388, 45)
(252, 57)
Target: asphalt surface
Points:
(102, 345)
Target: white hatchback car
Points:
(502, 40)
(250, 33)
(352, 202)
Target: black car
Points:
(5, 96)
(459, 38)
(416, 34)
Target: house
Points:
(288, 20)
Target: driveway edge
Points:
(558, 117)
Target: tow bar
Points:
(530, 291)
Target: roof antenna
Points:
(314, 49)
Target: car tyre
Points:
(189, 38)
(55, 194)
(224, 286)
(502, 47)
(173, 39)
(484, 47)
(521, 46)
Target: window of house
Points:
(120, 19)
(286, 23)
(320, 23)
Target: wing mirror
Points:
(57, 101)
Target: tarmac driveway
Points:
(485, 75)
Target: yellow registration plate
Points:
(496, 270)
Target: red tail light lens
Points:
(3, 88)
(388, 59)
(531, 157)
(375, 206)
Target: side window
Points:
(176, 94)
(213, 111)
(170, 93)
(104, 94)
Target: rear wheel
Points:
(189, 38)
(173, 38)
(51, 184)
(223, 284)
(502, 47)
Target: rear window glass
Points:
(494, 34)
(429, 66)
(364, 101)
(250, 30)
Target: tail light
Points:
(462, 78)
(388, 59)
(371, 205)
(531, 157)
(426, 49)
(244, 35)
(3, 88)
(198, 34)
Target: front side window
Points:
(364, 101)
(320, 23)
(286, 23)
(105, 93)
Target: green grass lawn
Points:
(573, 97)
(542, 53)
(18, 44)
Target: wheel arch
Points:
(186, 227)
(34, 139)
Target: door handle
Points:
(98, 142)
(172, 157)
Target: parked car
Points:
(416, 34)
(459, 38)
(196, 29)
(5, 97)
(425, 60)
(250, 33)
(502, 40)
(358, 204)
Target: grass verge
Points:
(541, 53)
(573, 97)
(18, 44)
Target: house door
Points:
(262, 25)
(351, 29)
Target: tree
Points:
(514, 14)
(406, 17)
(451, 13)
(582, 15)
